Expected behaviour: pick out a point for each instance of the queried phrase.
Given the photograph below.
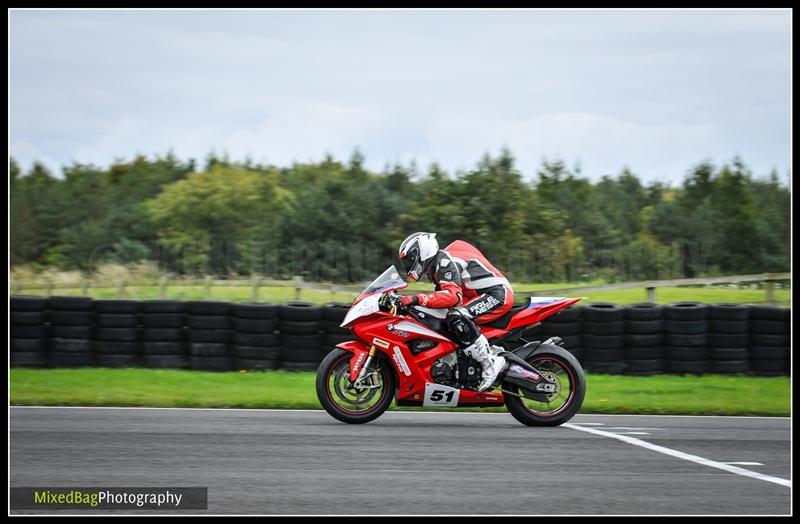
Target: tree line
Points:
(337, 221)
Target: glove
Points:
(408, 301)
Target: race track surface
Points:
(305, 462)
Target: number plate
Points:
(439, 395)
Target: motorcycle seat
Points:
(502, 322)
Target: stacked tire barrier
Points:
(636, 339)
(687, 337)
(28, 347)
(255, 344)
(567, 325)
(71, 332)
(603, 328)
(644, 339)
(116, 333)
(162, 334)
(728, 334)
(208, 335)
(769, 340)
(301, 338)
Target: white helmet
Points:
(417, 252)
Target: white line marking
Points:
(590, 423)
(745, 463)
(632, 433)
(635, 429)
(685, 456)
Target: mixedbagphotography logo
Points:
(100, 498)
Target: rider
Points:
(473, 290)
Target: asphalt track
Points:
(305, 462)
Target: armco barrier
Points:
(636, 339)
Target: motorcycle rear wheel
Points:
(347, 403)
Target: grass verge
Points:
(677, 395)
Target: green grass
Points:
(285, 294)
(685, 395)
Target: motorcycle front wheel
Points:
(345, 402)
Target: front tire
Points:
(346, 403)
(564, 403)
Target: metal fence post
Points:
(162, 287)
(298, 282)
(651, 294)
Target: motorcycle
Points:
(411, 358)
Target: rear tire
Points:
(571, 368)
(337, 364)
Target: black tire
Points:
(300, 311)
(202, 349)
(116, 348)
(693, 367)
(760, 339)
(116, 321)
(301, 341)
(32, 332)
(84, 332)
(71, 318)
(207, 322)
(573, 313)
(246, 339)
(117, 307)
(25, 359)
(117, 360)
(27, 303)
(729, 326)
(335, 311)
(338, 359)
(563, 329)
(206, 307)
(570, 341)
(209, 335)
(249, 325)
(210, 363)
(769, 327)
(730, 367)
(639, 366)
(738, 340)
(644, 311)
(332, 327)
(70, 303)
(27, 318)
(299, 328)
(726, 353)
(604, 355)
(71, 360)
(607, 368)
(603, 328)
(254, 311)
(602, 342)
(120, 334)
(256, 353)
(332, 340)
(644, 340)
(674, 339)
(287, 365)
(644, 353)
(603, 312)
(163, 348)
(162, 306)
(769, 352)
(687, 353)
(162, 335)
(687, 327)
(644, 327)
(163, 320)
(766, 312)
(71, 345)
(301, 354)
(255, 364)
(29, 345)
(772, 366)
(728, 311)
(165, 361)
(686, 311)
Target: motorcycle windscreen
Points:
(387, 281)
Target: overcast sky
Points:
(658, 91)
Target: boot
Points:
(492, 364)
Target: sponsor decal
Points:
(400, 361)
(448, 275)
(359, 361)
(483, 306)
(380, 343)
(390, 327)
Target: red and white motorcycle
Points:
(411, 358)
